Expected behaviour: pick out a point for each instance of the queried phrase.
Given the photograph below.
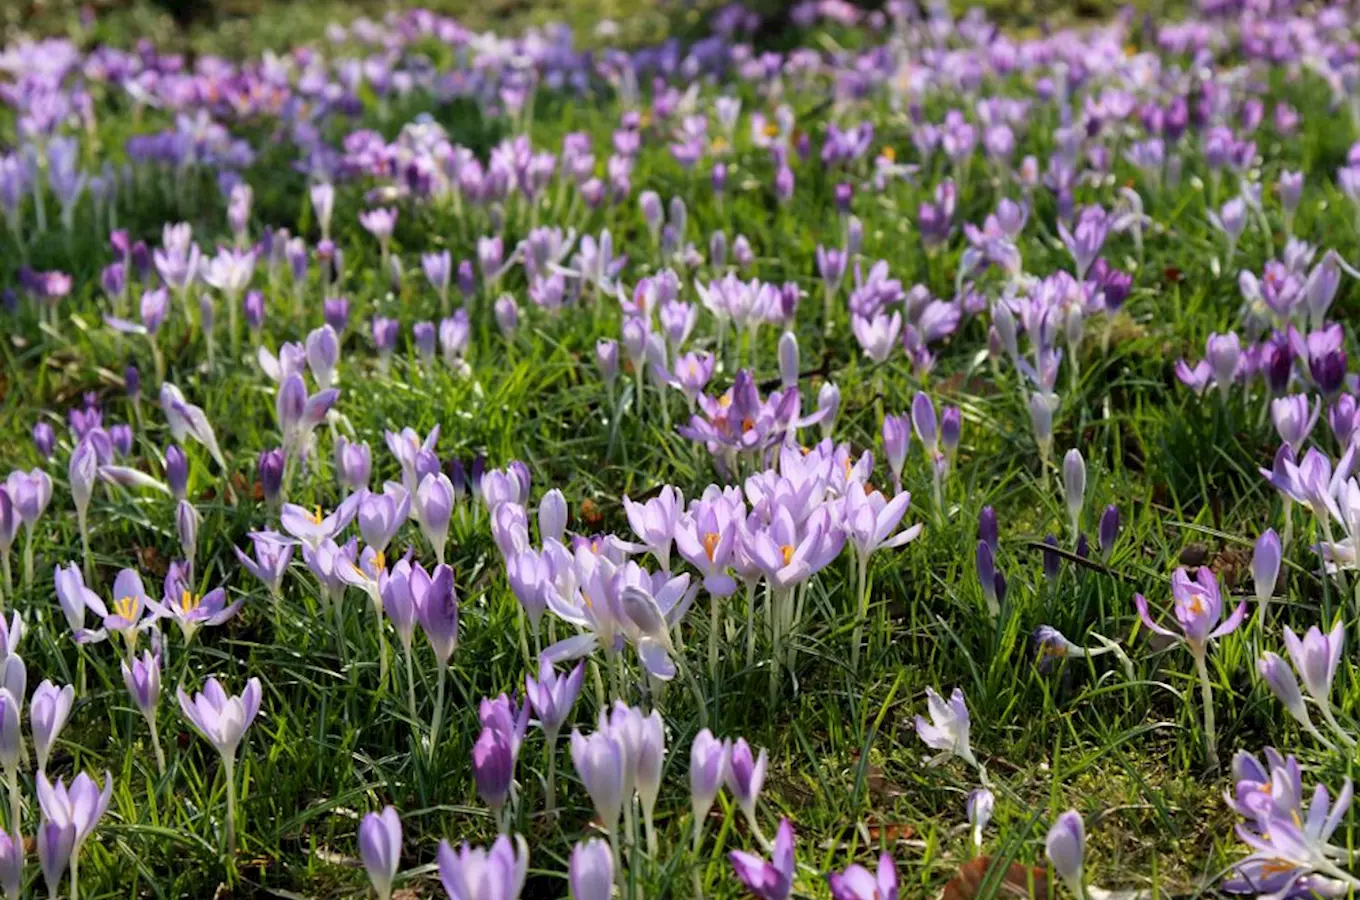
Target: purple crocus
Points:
(858, 883)
(272, 554)
(1198, 607)
(473, 873)
(772, 879)
(380, 849)
(72, 815)
(142, 677)
(222, 720)
(191, 611)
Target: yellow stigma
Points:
(188, 602)
(725, 401)
(710, 544)
(316, 515)
(889, 154)
(719, 144)
(771, 129)
(787, 552)
(379, 561)
(1197, 606)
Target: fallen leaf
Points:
(890, 832)
(977, 874)
(879, 785)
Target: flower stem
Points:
(550, 790)
(15, 810)
(713, 621)
(1206, 693)
(156, 744)
(230, 763)
(438, 709)
(28, 557)
(862, 588)
(75, 875)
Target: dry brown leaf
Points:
(890, 832)
(1019, 881)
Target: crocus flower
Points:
(746, 777)
(1074, 486)
(1108, 531)
(1065, 847)
(382, 515)
(600, 761)
(709, 769)
(473, 873)
(552, 696)
(11, 865)
(981, 803)
(1265, 568)
(311, 529)
(192, 611)
(590, 870)
(127, 614)
(55, 844)
(1316, 657)
(858, 883)
(142, 677)
(947, 729)
(273, 553)
(768, 880)
(187, 420)
(380, 849)
(493, 769)
(222, 721)
(1198, 608)
(74, 597)
(48, 712)
(655, 520)
(78, 809)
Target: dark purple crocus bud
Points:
(845, 193)
(44, 438)
(475, 473)
(113, 279)
(424, 334)
(132, 382)
(719, 177)
(141, 259)
(335, 310)
(493, 767)
(467, 278)
(270, 470)
(951, 426)
(986, 572)
(1000, 587)
(1108, 531)
(385, 333)
(1052, 561)
(1327, 358)
(254, 309)
(176, 470)
(1277, 364)
(1341, 417)
(119, 241)
(121, 436)
(987, 531)
(1083, 547)
(457, 477)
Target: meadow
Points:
(841, 452)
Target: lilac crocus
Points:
(1198, 607)
(709, 765)
(48, 712)
(1265, 568)
(746, 777)
(1086, 239)
(72, 814)
(600, 761)
(772, 879)
(1293, 418)
(272, 554)
(1316, 657)
(311, 529)
(142, 677)
(187, 420)
(590, 870)
(654, 521)
(948, 727)
(436, 604)
(981, 804)
(1065, 847)
(380, 849)
(858, 883)
(473, 873)
(493, 770)
(222, 720)
(191, 611)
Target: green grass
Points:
(333, 741)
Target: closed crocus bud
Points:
(380, 849)
(176, 471)
(652, 212)
(11, 865)
(493, 767)
(896, 440)
(1041, 419)
(951, 428)
(425, 338)
(1265, 566)
(44, 439)
(986, 573)
(55, 843)
(719, 177)
(923, 420)
(323, 354)
(708, 770)
(552, 517)
(1282, 683)
(353, 464)
(507, 315)
(1223, 352)
(269, 469)
(854, 235)
(829, 401)
(48, 712)
(1065, 847)
(81, 473)
(591, 870)
(436, 604)
(600, 761)
(1074, 484)
(607, 359)
(132, 383)
(254, 310)
(1341, 416)
(1052, 561)
(1108, 531)
(717, 249)
(434, 507)
(788, 359)
(1291, 190)
(335, 311)
(186, 528)
(987, 530)
(746, 776)
(11, 733)
(981, 804)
